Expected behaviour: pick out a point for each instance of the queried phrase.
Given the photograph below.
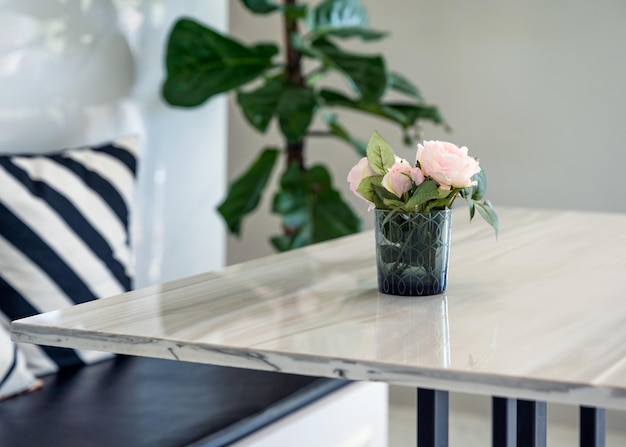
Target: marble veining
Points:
(538, 313)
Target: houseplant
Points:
(202, 63)
(412, 205)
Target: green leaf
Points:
(312, 210)
(202, 63)
(394, 203)
(402, 84)
(244, 194)
(478, 190)
(340, 132)
(366, 189)
(486, 211)
(404, 114)
(300, 44)
(415, 112)
(260, 105)
(379, 154)
(471, 206)
(367, 75)
(365, 34)
(336, 14)
(295, 107)
(383, 193)
(342, 19)
(426, 191)
(260, 6)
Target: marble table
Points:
(538, 314)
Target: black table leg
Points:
(503, 422)
(531, 423)
(592, 427)
(432, 418)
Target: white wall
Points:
(79, 72)
(535, 89)
(184, 175)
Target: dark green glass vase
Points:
(412, 252)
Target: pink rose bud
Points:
(447, 164)
(417, 176)
(398, 179)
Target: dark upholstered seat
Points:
(135, 402)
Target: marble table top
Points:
(539, 313)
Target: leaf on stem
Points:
(244, 194)
(485, 209)
(405, 114)
(260, 105)
(201, 63)
(402, 84)
(260, 6)
(338, 14)
(295, 107)
(367, 75)
(379, 154)
(311, 209)
(367, 190)
(340, 132)
(426, 191)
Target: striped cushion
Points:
(64, 235)
(15, 377)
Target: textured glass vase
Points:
(412, 252)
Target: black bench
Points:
(133, 401)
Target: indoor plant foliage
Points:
(413, 208)
(273, 86)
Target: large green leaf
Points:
(367, 75)
(414, 112)
(260, 6)
(348, 32)
(405, 114)
(295, 107)
(259, 105)
(201, 63)
(245, 192)
(402, 84)
(338, 14)
(311, 209)
(342, 19)
(340, 132)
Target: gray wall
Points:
(535, 89)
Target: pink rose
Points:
(447, 164)
(398, 179)
(361, 170)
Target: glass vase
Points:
(412, 251)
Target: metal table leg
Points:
(432, 418)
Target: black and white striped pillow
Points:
(15, 377)
(64, 235)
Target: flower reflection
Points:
(413, 331)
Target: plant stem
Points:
(294, 76)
